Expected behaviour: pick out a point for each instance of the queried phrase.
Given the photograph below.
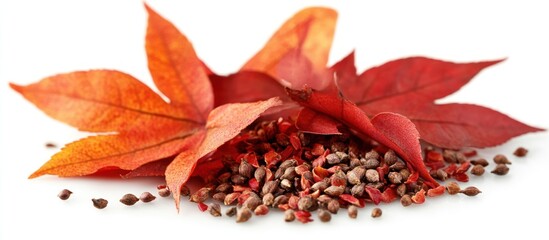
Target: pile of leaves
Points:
(141, 134)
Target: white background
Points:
(41, 38)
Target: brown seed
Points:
(224, 177)
(129, 199)
(460, 157)
(260, 174)
(224, 188)
(372, 175)
(282, 199)
(288, 163)
(215, 209)
(324, 215)
(440, 175)
(395, 177)
(338, 178)
(147, 197)
(333, 206)
(64, 194)
(286, 184)
(390, 157)
(470, 191)
(322, 185)
(399, 165)
(220, 196)
(100, 203)
(520, 152)
(501, 159)
(164, 192)
(252, 202)
(406, 200)
(243, 214)
(268, 199)
(405, 174)
(371, 163)
(201, 195)
(352, 211)
(332, 159)
(231, 211)
(289, 215)
(482, 162)
(289, 173)
(354, 162)
(358, 190)
(334, 191)
(449, 156)
(401, 189)
(372, 154)
(231, 198)
(501, 169)
(238, 179)
(245, 169)
(477, 170)
(376, 212)
(354, 176)
(269, 187)
(305, 203)
(453, 188)
(261, 210)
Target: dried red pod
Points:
(319, 174)
(374, 193)
(272, 158)
(461, 177)
(231, 198)
(451, 169)
(317, 149)
(389, 195)
(419, 197)
(470, 153)
(433, 192)
(464, 167)
(293, 202)
(434, 156)
(202, 206)
(303, 216)
(350, 199)
(295, 141)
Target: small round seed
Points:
(289, 215)
(324, 215)
(470, 191)
(501, 169)
(164, 192)
(243, 214)
(501, 159)
(406, 200)
(99, 203)
(520, 152)
(376, 212)
(453, 188)
(352, 211)
(215, 209)
(146, 197)
(477, 170)
(64, 194)
(129, 199)
(231, 211)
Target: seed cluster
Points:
(276, 167)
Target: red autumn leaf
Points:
(410, 86)
(389, 129)
(139, 126)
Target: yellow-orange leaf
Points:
(175, 68)
(125, 151)
(309, 33)
(102, 101)
(224, 123)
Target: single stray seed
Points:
(352, 211)
(406, 200)
(215, 210)
(376, 212)
(164, 192)
(243, 214)
(261, 210)
(483, 162)
(231, 211)
(477, 170)
(289, 215)
(324, 215)
(453, 188)
(470, 191)
(146, 197)
(64, 194)
(100, 203)
(501, 159)
(520, 152)
(501, 169)
(129, 199)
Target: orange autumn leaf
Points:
(300, 49)
(136, 125)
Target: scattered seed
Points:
(470, 191)
(215, 209)
(453, 188)
(520, 152)
(51, 145)
(100, 203)
(243, 214)
(220, 196)
(477, 170)
(501, 169)
(376, 212)
(372, 175)
(289, 215)
(146, 197)
(201, 195)
(245, 169)
(64, 194)
(483, 162)
(406, 200)
(261, 210)
(129, 199)
(324, 215)
(352, 211)
(231, 211)
(164, 192)
(501, 159)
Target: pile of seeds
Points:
(273, 166)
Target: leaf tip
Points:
(17, 88)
